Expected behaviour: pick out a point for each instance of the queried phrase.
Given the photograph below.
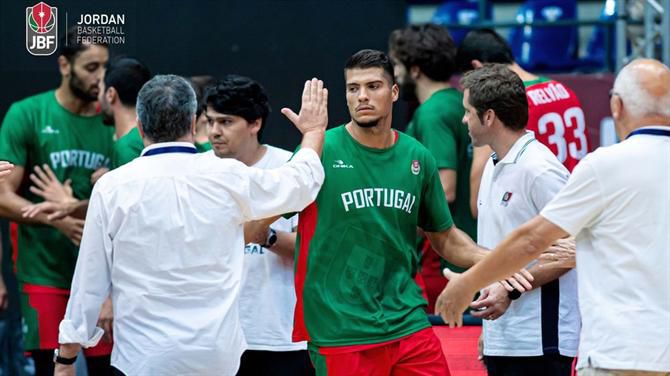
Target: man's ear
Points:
(111, 95)
(64, 66)
(489, 117)
(140, 128)
(616, 106)
(415, 72)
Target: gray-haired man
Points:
(163, 235)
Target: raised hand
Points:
(47, 186)
(313, 114)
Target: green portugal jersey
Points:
(356, 258)
(38, 130)
(438, 125)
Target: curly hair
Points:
(429, 47)
(239, 96)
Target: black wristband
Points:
(514, 294)
(61, 360)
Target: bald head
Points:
(644, 87)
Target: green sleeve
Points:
(15, 136)
(437, 132)
(434, 214)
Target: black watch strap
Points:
(514, 294)
(61, 360)
(271, 238)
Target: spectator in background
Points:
(424, 59)
(555, 114)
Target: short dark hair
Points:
(240, 96)
(71, 47)
(429, 47)
(126, 75)
(165, 107)
(498, 88)
(484, 45)
(200, 85)
(364, 59)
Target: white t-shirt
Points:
(267, 296)
(164, 235)
(617, 204)
(545, 320)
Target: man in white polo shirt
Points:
(237, 109)
(539, 332)
(617, 204)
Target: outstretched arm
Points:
(521, 247)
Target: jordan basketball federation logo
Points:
(416, 167)
(41, 29)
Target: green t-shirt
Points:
(356, 258)
(203, 147)
(438, 125)
(127, 148)
(37, 130)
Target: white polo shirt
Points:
(267, 295)
(512, 191)
(617, 204)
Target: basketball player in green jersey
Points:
(60, 128)
(357, 302)
(124, 77)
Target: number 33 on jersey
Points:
(556, 116)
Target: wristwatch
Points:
(271, 238)
(60, 360)
(514, 294)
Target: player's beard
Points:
(77, 88)
(369, 124)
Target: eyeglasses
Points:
(612, 93)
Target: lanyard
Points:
(170, 149)
(651, 132)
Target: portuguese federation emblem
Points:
(416, 167)
(41, 29)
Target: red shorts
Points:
(43, 309)
(418, 354)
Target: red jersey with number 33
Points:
(557, 118)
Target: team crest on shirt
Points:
(416, 167)
(505, 198)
